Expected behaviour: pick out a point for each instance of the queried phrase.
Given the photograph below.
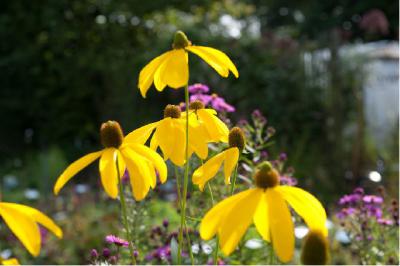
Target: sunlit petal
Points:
(306, 205)
(216, 129)
(74, 168)
(141, 134)
(23, 227)
(108, 171)
(174, 72)
(237, 220)
(211, 221)
(146, 75)
(12, 261)
(208, 170)
(261, 220)
(216, 59)
(281, 224)
(231, 160)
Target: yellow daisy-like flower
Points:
(12, 261)
(172, 69)
(140, 160)
(267, 207)
(23, 222)
(170, 134)
(228, 157)
(215, 129)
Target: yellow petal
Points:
(141, 134)
(281, 224)
(211, 221)
(74, 168)
(231, 160)
(153, 157)
(170, 135)
(139, 175)
(38, 217)
(12, 261)
(198, 141)
(306, 205)
(146, 75)
(23, 227)
(261, 219)
(237, 220)
(216, 129)
(108, 171)
(174, 72)
(208, 170)
(216, 59)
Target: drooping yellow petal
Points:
(231, 160)
(38, 217)
(74, 168)
(216, 129)
(174, 72)
(12, 261)
(108, 171)
(216, 59)
(237, 220)
(211, 221)
(146, 75)
(198, 141)
(23, 227)
(261, 219)
(141, 134)
(139, 175)
(281, 224)
(306, 205)
(208, 170)
(153, 157)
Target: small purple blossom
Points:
(106, 253)
(384, 221)
(373, 199)
(288, 180)
(350, 199)
(111, 239)
(219, 104)
(282, 157)
(204, 98)
(94, 254)
(198, 88)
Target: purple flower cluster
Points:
(358, 203)
(111, 239)
(200, 92)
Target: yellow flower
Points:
(170, 135)
(171, 68)
(11, 261)
(229, 157)
(267, 207)
(23, 222)
(215, 129)
(140, 161)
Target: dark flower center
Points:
(111, 134)
(266, 176)
(236, 138)
(172, 111)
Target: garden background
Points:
(68, 66)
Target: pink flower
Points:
(111, 239)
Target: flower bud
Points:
(236, 138)
(266, 176)
(315, 249)
(172, 111)
(111, 134)
(180, 40)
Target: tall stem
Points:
(234, 179)
(185, 179)
(124, 213)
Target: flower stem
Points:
(185, 179)
(270, 254)
(124, 214)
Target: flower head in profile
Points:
(23, 222)
(170, 134)
(267, 207)
(172, 69)
(228, 157)
(140, 161)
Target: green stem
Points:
(185, 179)
(178, 187)
(189, 245)
(124, 214)
(270, 254)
